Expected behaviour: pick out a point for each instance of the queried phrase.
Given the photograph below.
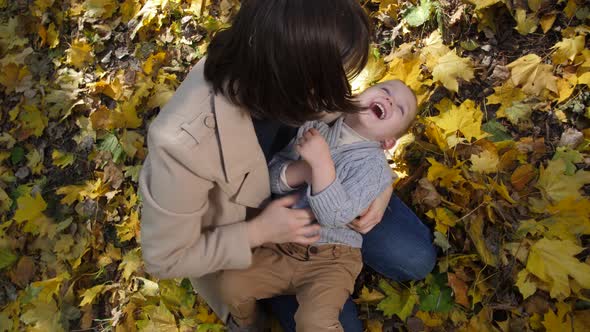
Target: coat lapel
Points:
(243, 159)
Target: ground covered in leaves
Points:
(497, 164)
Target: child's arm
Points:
(286, 172)
(315, 152)
(297, 173)
(335, 200)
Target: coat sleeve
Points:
(175, 198)
(345, 198)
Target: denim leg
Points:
(400, 246)
(284, 307)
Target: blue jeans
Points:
(399, 247)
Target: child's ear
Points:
(388, 143)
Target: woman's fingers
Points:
(307, 240)
(287, 201)
(305, 214)
(308, 230)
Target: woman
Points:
(205, 178)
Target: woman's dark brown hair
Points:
(287, 60)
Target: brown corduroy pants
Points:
(321, 276)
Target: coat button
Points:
(210, 121)
(313, 250)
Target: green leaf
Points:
(398, 302)
(519, 112)
(569, 157)
(17, 155)
(111, 143)
(7, 258)
(497, 130)
(418, 15)
(438, 296)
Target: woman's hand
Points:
(372, 215)
(279, 223)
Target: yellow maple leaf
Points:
(100, 8)
(465, 119)
(444, 218)
(33, 121)
(485, 162)
(62, 159)
(524, 284)
(14, 76)
(130, 263)
(90, 294)
(569, 219)
(29, 208)
(374, 70)
(153, 61)
(129, 228)
(567, 49)
(451, 67)
(35, 161)
(447, 176)
(553, 261)
(433, 49)
(556, 185)
(128, 9)
(72, 193)
(408, 70)
(80, 53)
(505, 95)
(532, 75)
(430, 319)
(369, 296)
(558, 322)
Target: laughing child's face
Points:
(388, 110)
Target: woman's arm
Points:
(175, 199)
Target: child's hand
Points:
(313, 148)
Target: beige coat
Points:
(204, 167)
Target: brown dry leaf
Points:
(24, 271)
(522, 176)
(459, 289)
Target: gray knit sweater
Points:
(362, 173)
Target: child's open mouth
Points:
(378, 110)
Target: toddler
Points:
(339, 170)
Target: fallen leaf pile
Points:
(497, 164)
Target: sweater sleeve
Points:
(284, 157)
(346, 197)
(175, 199)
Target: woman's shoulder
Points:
(189, 103)
(189, 100)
